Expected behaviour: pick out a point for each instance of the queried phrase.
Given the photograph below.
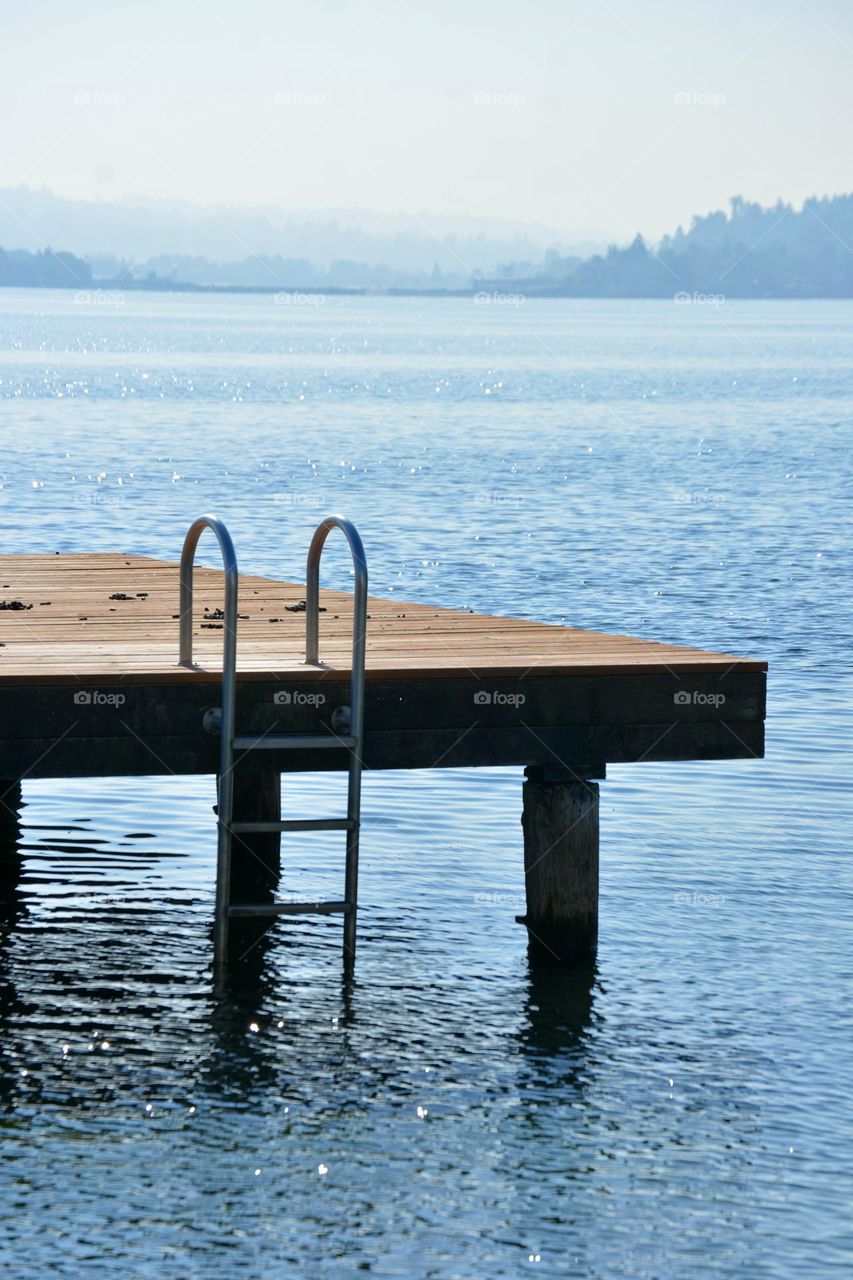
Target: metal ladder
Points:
(231, 742)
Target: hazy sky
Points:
(595, 118)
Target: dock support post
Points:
(560, 823)
(10, 805)
(10, 858)
(256, 856)
(256, 860)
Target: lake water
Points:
(678, 471)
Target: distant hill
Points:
(751, 252)
(57, 270)
(271, 246)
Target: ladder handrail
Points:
(312, 603)
(229, 560)
(229, 691)
(356, 729)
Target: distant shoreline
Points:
(504, 292)
(294, 292)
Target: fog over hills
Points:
(167, 235)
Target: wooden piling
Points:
(10, 805)
(256, 858)
(255, 872)
(560, 823)
(255, 869)
(10, 855)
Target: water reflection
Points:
(11, 910)
(558, 1015)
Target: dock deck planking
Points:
(75, 630)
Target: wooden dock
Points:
(90, 685)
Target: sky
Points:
(598, 119)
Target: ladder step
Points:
(288, 908)
(297, 824)
(294, 742)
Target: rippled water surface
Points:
(682, 472)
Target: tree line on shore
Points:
(751, 252)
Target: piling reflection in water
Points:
(11, 910)
(558, 1014)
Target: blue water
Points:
(681, 472)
